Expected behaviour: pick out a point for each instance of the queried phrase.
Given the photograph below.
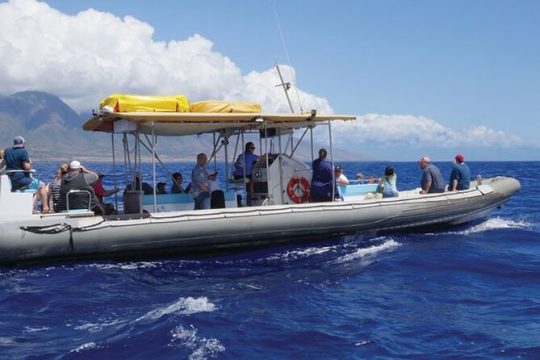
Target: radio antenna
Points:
(288, 60)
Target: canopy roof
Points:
(191, 123)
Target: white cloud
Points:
(409, 130)
(87, 56)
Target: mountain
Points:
(53, 131)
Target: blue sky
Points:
(436, 77)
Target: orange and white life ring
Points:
(298, 189)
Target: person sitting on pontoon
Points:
(341, 182)
(19, 167)
(460, 175)
(387, 184)
(76, 191)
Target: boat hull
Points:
(39, 238)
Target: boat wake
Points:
(184, 306)
(495, 224)
(369, 251)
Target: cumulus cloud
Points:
(87, 56)
(409, 130)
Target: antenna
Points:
(286, 86)
(288, 59)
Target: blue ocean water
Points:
(466, 292)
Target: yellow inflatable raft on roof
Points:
(220, 106)
(135, 103)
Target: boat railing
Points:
(71, 192)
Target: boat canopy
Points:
(192, 123)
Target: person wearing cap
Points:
(432, 180)
(19, 169)
(79, 178)
(160, 188)
(101, 192)
(322, 179)
(199, 183)
(460, 175)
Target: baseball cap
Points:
(74, 165)
(18, 142)
(459, 158)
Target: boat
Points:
(166, 225)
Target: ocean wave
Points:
(94, 328)
(202, 347)
(495, 223)
(184, 306)
(84, 347)
(369, 251)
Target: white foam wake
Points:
(494, 224)
(372, 250)
(296, 254)
(202, 347)
(184, 306)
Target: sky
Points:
(423, 77)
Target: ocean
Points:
(468, 292)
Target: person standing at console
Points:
(322, 179)
(199, 181)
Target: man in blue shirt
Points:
(322, 179)
(199, 183)
(19, 169)
(460, 175)
(432, 180)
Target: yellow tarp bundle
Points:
(220, 106)
(134, 103)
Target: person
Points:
(460, 176)
(2, 162)
(177, 184)
(79, 178)
(160, 188)
(359, 176)
(101, 192)
(243, 168)
(199, 183)
(54, 186)
(322, 178)
(341, 182)
(432, 180)
(137, 185)
(217, 197)
(19, 166)
(387, 184)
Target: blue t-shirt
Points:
(462, 174)
(199, 176)
(247, 158)
(14, 158)
(433, 174)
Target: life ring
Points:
(298, 189)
